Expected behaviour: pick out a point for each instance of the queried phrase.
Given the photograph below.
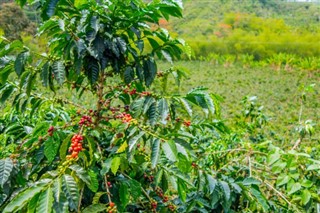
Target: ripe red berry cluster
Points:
(109, 184)
(160, 74)
(172, 207)
(194, 165)
(187, 123)
(114, 109)
(126, 118)
(149, 178)
(154, 205)
(159, 192)
(112, 207)
(50, 130)
(85, 120)
(145, 93)
(76, 146)
(133, 92)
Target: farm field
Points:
(278, 91)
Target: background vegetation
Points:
(258, 28)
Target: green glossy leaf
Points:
(97, 48)
(32, 205)
(71, 191)
(97, 196)
(135, 188)
(57, 189)
(283, 179)
(8, 90)
(95, 208)
(260, 198)
(155, 154)
(94, 183)
(313, 167)
(294, 188)
(186, 106)
(139, 72)
(81, 173)
(6, 166)
(124, 195)
(137, 106)
(92, 69)
(153, 43)
(273, 158)
(152, 113)
(5, 72)
(147, 103)
(64, 147)
(150, 71)
(19, 64)
(307, 183)
(305, 197)
(163, 109)
(212, 183)
(30, 83)
(166, 55)
(62, 205)
(106, 166)
(49, 9)
(184, 164)
(58, 70)
(250, 181)
(128, 75)
(51, 148)
(236, 188)
(122, 45)
(226, 189)
(169, 150)
(134, 140)
(45, 201)
(45, 74)
(182, 190)
(21, 199)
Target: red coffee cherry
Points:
(50, 130)
(76, 146)
(85, 120)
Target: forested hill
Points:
(201, 17)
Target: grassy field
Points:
(278, 91)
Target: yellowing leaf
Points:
(123, 147)
(79, 3)
(115, 163)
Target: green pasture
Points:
(279, 92)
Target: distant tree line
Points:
(13, 21)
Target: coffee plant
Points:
(131, 148)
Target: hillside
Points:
(202, 17)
